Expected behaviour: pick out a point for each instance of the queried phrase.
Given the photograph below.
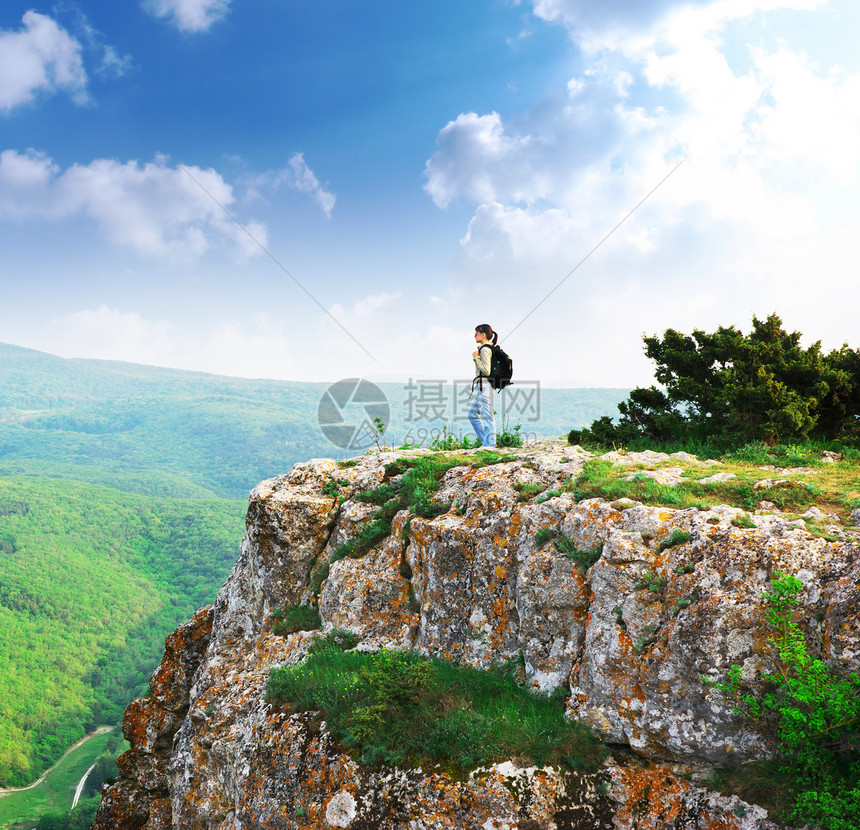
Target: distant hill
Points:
(150, 430)
(169, 432)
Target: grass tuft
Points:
(676, 537)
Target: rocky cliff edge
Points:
(208, 750)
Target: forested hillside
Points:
(189, 434)
(150, 430)
(91, 581)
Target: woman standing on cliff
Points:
(481, 410)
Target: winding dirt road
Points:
(100, 731)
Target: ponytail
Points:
(487, 330)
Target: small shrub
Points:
(652, 582)
(448, 441)
(814, 717)
(646, 638)
(331, 489)
(681, 604)
(295, 618)
(510, 439)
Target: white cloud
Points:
(153, 208)
(40, 58)
(368, 310)
(188, 15)
(297, 176)
(476, 158)
(108, 62)
(113, 65)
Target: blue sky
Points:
(420, 168)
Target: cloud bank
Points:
(230, 347)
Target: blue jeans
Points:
(481, 414)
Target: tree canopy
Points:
(729, 388)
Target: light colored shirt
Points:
(483, 362)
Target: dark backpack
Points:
(501, 367)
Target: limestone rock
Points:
(652, 600)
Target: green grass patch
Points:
(447, 441)
(835, 488)
(563, 544)
(549, 494)
(338, 639)
(399, 708)
(318, 576)
(584, 558)
(651, 582)
(485, 458)
(416, 481)
(528, 489)
(295, 618)
(378, 496)
(544, 535)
